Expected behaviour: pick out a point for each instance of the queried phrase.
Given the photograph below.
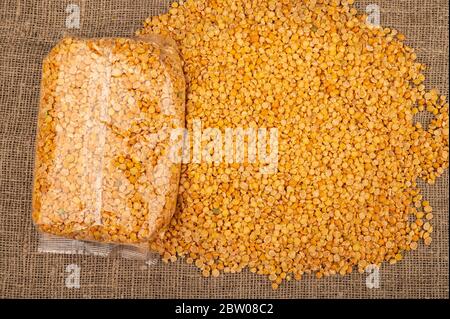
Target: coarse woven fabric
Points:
(29, 28)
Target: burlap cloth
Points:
(28, 29)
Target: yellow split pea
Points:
(343, 95)
(102, 168)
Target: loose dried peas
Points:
(343, 94)
(102, 167)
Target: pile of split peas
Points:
(343, 95)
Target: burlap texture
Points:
(29, 28)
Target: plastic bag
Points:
(103, 171)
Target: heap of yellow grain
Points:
(343, 95)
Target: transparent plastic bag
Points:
(103, 171)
